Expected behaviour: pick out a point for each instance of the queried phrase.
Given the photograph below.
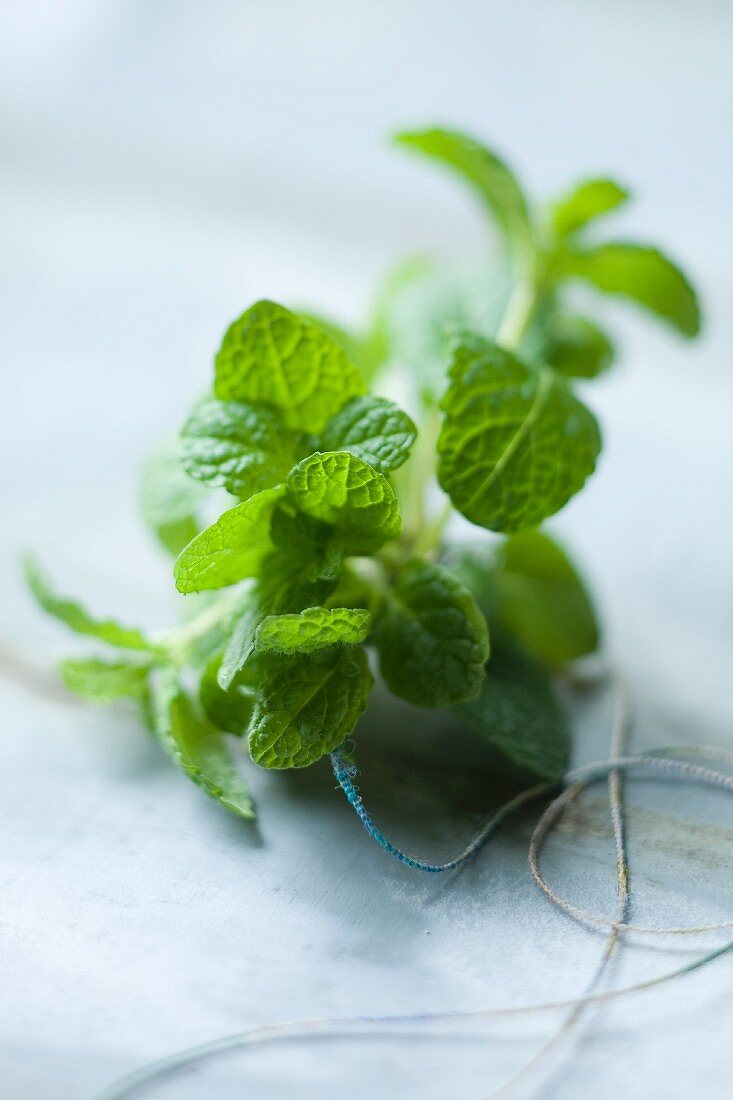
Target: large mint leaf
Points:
(372, 428)
(201, 751)
(518, 714)
(542, 599)
(104, 681)
(432, 642)
(242, 447)
(285, 585)
(313, 628)
(78, 618)
(346, 492)
(640, 273)
(274, 356)
(515, 443)
(308, 705)
(483, 170)
(586, 202)
(230, 549)
(169, 498)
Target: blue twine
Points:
(346, 773)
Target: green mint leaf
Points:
(346, 492)
(229, 710)
(78, 618)
(490, 178)
(313, 628)
(640, 273)
(543, 601)
(169, 498)
(571, 345)
(201, 751)
(284, 586)
(518, 714)
(372, 428)
(104, 682)
(591, 199)
(274, 356)
(307, 705)
(230, 549)
(515, 443)
(433, 642)
(242, 447)
(240, 644)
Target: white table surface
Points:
(162, 166)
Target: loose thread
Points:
(333, 1027)
(674, 761)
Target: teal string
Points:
(345, 775)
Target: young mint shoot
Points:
(333, 540)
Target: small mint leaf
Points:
(78, 618)
(346, 492)
(230, 549)
(201, 751)
(641, 273)
(587, 201)
(242, 447)
(372, 428)
(273, 356)
(515, 443)
(103, 681)
(313, 628)
(307, 705)
(493, 182)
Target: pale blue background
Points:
(161, 166)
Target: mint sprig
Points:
(331, 539)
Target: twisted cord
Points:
(345, 774)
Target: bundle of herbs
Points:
(330, 556)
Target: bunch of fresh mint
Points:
(331, 544)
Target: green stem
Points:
(522, 304)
